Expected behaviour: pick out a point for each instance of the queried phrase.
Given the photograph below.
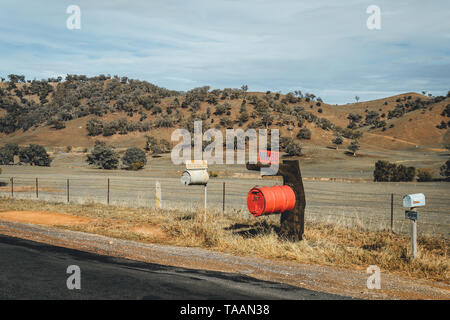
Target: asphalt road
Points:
(32, 270)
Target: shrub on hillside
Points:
(293, 148)
(94, 127)
(134, 159)
(445, 170)
(424, 175)
(103, 156)
(7, 153)
(304, 133)
(338, 140)
(354, 146)
(35, 155)
(446, 111)
(387, 172)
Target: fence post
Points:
(413, 239)
(37, 188)
(204, 217)
(68, 193)
(158, 195)
(392, 212)
(107, 200)
(12, 187)
(223, 199)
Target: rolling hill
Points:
(57, 113)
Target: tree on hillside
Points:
(94, 127)
(356, 98)
(35, 155)
(292, 147)
(150, 142)
(385, 171)
(424, 175)
(134, 159)
(354, 146)
(445, 170)
(338, 140)
(244, 89)
(7, 153)
(304, 133)
(103, 156)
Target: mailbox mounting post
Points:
(292, 219)
(293, 222)
(412, 201)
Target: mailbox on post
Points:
(268, 200)
(287, 199)
(196, 173)
(412, 201)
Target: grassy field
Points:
(324, 244)
(339, 189)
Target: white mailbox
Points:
(196, 173)
(414, 200)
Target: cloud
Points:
(321, 46)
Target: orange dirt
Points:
(42, 218)
(52, 219)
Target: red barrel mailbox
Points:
(267, 200)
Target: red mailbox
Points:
(267, 200)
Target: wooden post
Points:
(392, 212)
(413, 239)
(68, 193)
(12, 187)
(107, 200)
(37, 188)
(204, 216)
(293, 222)
(158, 195)
(223, 199)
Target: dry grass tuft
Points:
(325, 244)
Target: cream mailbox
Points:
(414, 200)
(196, 173)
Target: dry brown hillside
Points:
(140, 102)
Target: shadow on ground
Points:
(254, 230)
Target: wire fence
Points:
(366, 210)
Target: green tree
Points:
(35, 155)
(103, 156)
(293, 148)
(338, 140)
(445, 169)
(94, 127)
(304, 133)
(134, 158)
(383, 171)
(7, 153)
(150, 141)
(354, 146)
(424, 175)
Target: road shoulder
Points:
(318, 278)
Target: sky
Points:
(322, 47)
